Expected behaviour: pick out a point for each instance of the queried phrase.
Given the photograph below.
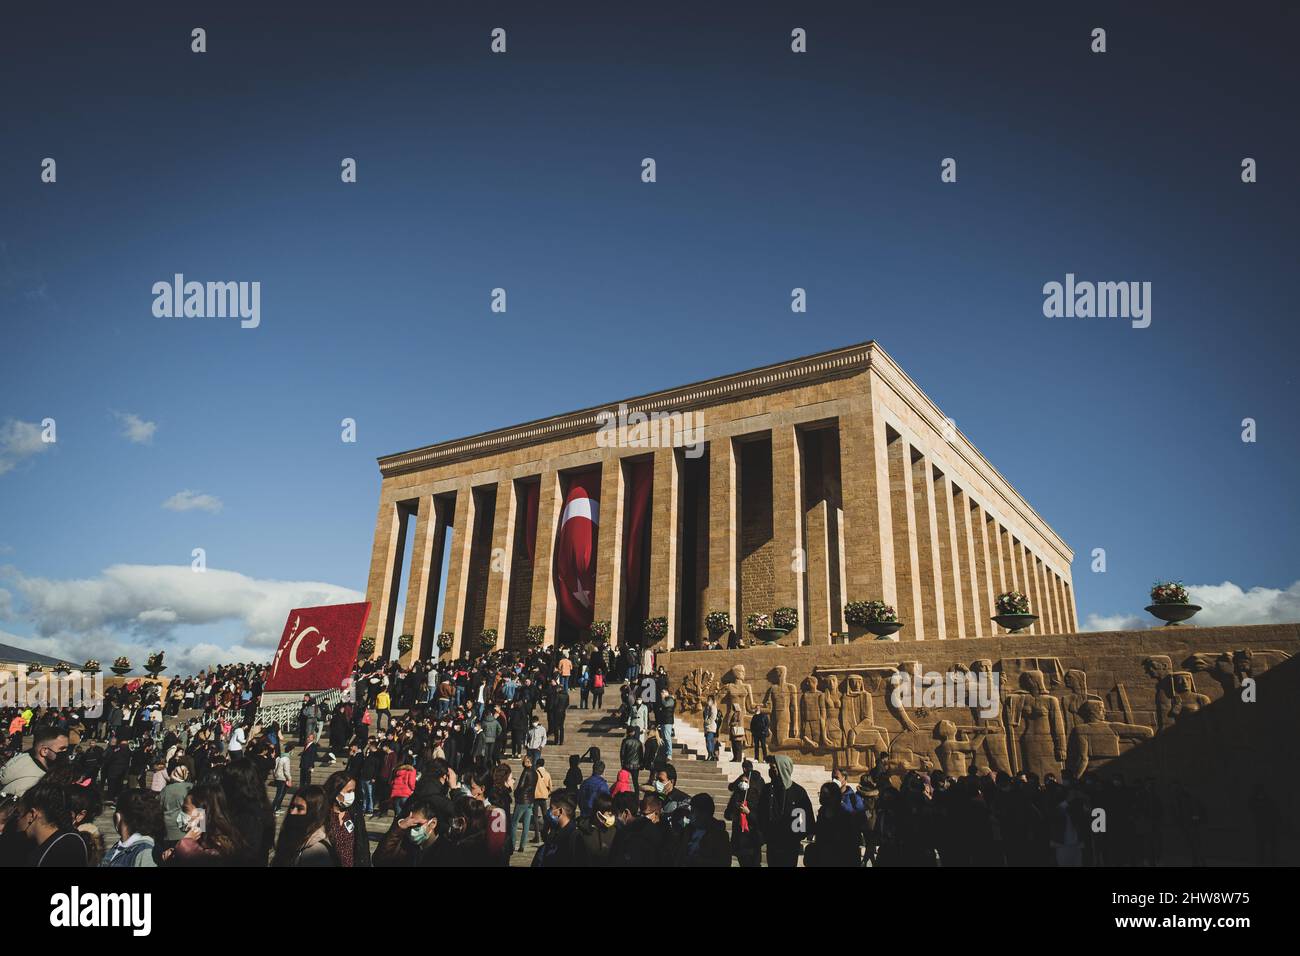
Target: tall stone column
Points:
(1048, 607)
(868, 523)
(501, 559)
(817, 542)
(1031, 592)
(453, 608)
(954, 608)
(970, 569)
(1073, 611)
(907, 549)
(984, 569)
(549, 505)
(610, 586)
(724, 531)
(425, 577)
(791, 556)
(665, 551)
(927, 551)
(385, 582)
(1001, 578)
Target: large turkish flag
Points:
(319, 647)
(575, 549)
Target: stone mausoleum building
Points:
(806, 484)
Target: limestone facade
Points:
(805, 484)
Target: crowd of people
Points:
(193, 780)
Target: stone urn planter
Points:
(883, 630)
(119, 670)
(1015, 623)
(1173, 614)
(769, 635)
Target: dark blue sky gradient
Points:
(522, 171)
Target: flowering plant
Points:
(34, 668)
(757, 622)
(655, 629)
(599, 631)
(405, 642)
(717, 622)
(445, 640)
(122, 664)
(91, 666)
(154, 665)
(786, 618)
(1168, 592)
(487, 638)
(1012, 602)
(366, 647)
(62, 667)
(535, 635)
(862, 613)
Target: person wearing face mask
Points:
(642, 838)
(43, 820)
(345, 823)
(139, 824)
(303, 840)
(49, 750)
(676, 802)
(746, 836)
(409, 837)
(211, 838)
(596, 831)
(560, 848)
(172, 799)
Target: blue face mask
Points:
(554, 817)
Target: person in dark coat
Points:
(746, 835)
(838, 834)
(561, 845)
(785, 814)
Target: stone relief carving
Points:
(1047, 721)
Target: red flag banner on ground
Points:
(575, 549)
(319, 647)
(640, 482)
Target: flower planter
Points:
(769, 635)
(120, 671)
(883, 629)
(1015, 623)
(1173, 614)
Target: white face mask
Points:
(347, 798)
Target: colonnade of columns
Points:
(858, 512)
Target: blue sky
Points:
(521, 171)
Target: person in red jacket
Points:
(403, 787)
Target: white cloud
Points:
(19, 441)
(1224, 603)
(192, 501)
(127, 605)
(135, 428)
(1116, 622)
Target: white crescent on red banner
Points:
(318, 647)
(575, 550)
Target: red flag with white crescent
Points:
(318, 648)
(575, 549)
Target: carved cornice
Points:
(837, 363)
